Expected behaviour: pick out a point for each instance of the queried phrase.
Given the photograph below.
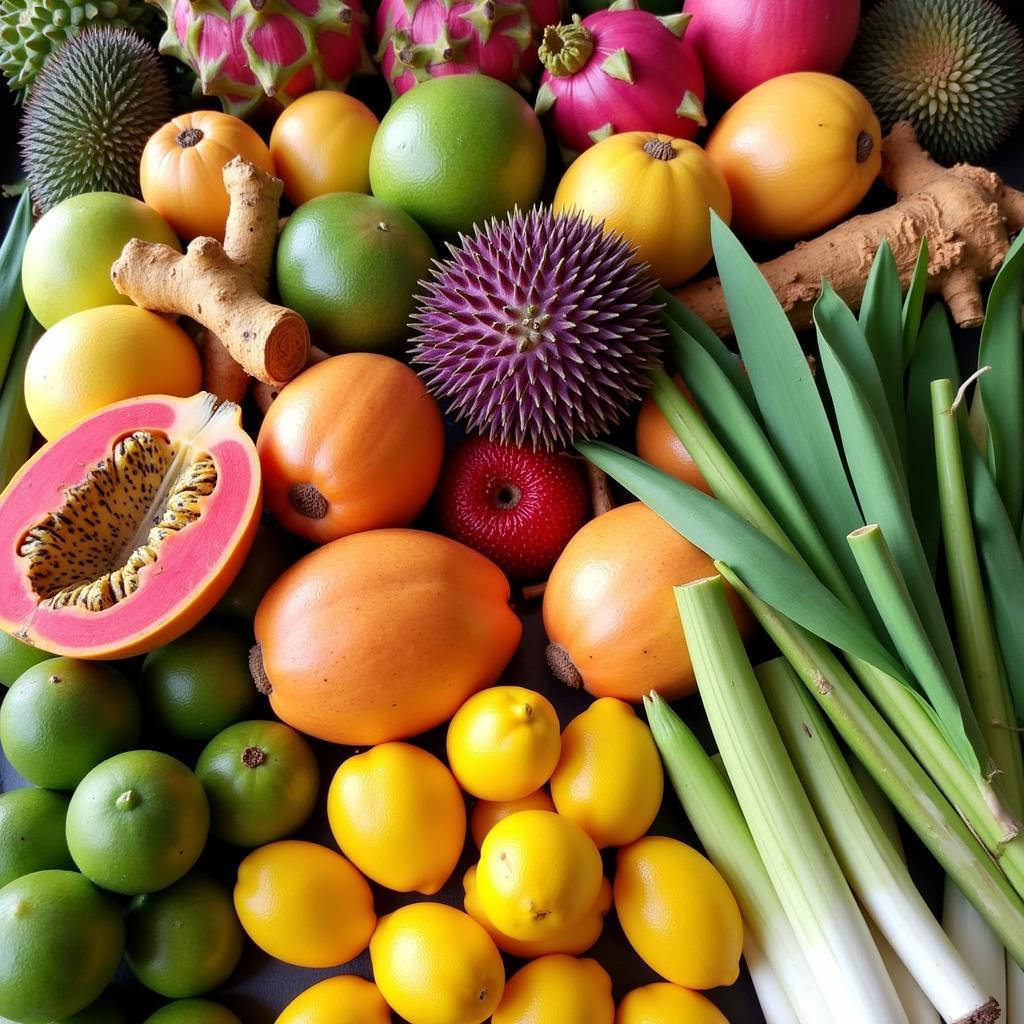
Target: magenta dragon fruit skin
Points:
(620, 70)
(538, 330)
(252, 53)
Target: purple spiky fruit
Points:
(539, 330)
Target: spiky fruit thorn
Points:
(538, 330)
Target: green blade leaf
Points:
(12, 298)
(775, 576)
(913, 304)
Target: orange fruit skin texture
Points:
(557, 988)
(321, 143)
(657, 443)
(343, 999)
(184, 182)
(789, 151)
(665, 1003)
(383, 635)
(660, 206)
(609, 603)
(365, 432)
(487, 813)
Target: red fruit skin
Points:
(545, 501)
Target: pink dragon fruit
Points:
(421, 39)
(247, 52)
(620, 70)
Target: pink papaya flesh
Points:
(120, 535)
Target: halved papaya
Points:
(121, 534)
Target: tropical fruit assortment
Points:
(382, 502)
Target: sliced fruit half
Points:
(121, 534)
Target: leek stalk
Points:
(775, 1005)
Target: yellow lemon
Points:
(346, 999)
(575, 940)
(397, 813)
(487, 813)
(538, 875)
(557, 988)
(103, 355)
(503, 743)
(436, 965)
(663, 1003)
(609, 779)
(678, 913)
(304, 904)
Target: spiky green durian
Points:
(90, 114)
(32, 30)
(953, 68)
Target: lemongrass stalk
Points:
(16, 428)
(870, 862)
(984, 677)
(978, 944)
(711, 807)
(810, 885)
(775, 1005)
(916, 1004)
(899, 775)
(1014, 1010)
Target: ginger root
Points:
(249, 239)
(264, 394)
(966, 212)
(271, 343)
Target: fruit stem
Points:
(865, 146)
(600, 491)
(660, 149)
(127, 801)
(188, 137)
(258, 672)
(565, 49)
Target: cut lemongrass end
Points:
(977, 943)
(917, 1005)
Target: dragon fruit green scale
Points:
(538, 330)
(249, 52)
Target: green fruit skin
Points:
(137, 822)
(456, 151)
(351, 265)
(62, 941)
(66, 264)
(270, 555)
(200, 683)
(250, 806)
(193, 1011)
(16, 656)
(32, 833)
(103, 1011)
(183, 940)
(63, 716)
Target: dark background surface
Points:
(261, 987)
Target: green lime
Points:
(272, 552)
(32, 833)
(62, 941)
(456, 151)
(351, 265)
(193, 1011)
(61, 717)
(261, 779)
(104, 1011)
(66, 266)
(16, 656)
(137, 822)
(183, 940)
(200, 683)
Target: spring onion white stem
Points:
(1014, 1011)
(917, 1005)
(775, 1005)
(976, 942)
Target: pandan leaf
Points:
(913, 304)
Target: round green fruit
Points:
(458, 150)
(62, 941)
(16, 656)
(32, 833)
(200, 683)
(137, 822)
(271, 553)
(66, 265)
(261, 779)
(193, 1011)
(63, 716)
(104, 1011)
(183, 940)
(351, 264)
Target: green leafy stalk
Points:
(16, 428)
(12, 299)
(913, 303)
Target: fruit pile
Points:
(314, 341)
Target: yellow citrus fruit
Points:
(503, 743)
(557, 988)
(487, 813)
(436, 965)
(538, 875)
(321, 143)
(345, 999)
(397, 813)
(574, 940)
(609, 778)
(678, 913)
(103, 355)
(304, 904)
(664, 1003)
